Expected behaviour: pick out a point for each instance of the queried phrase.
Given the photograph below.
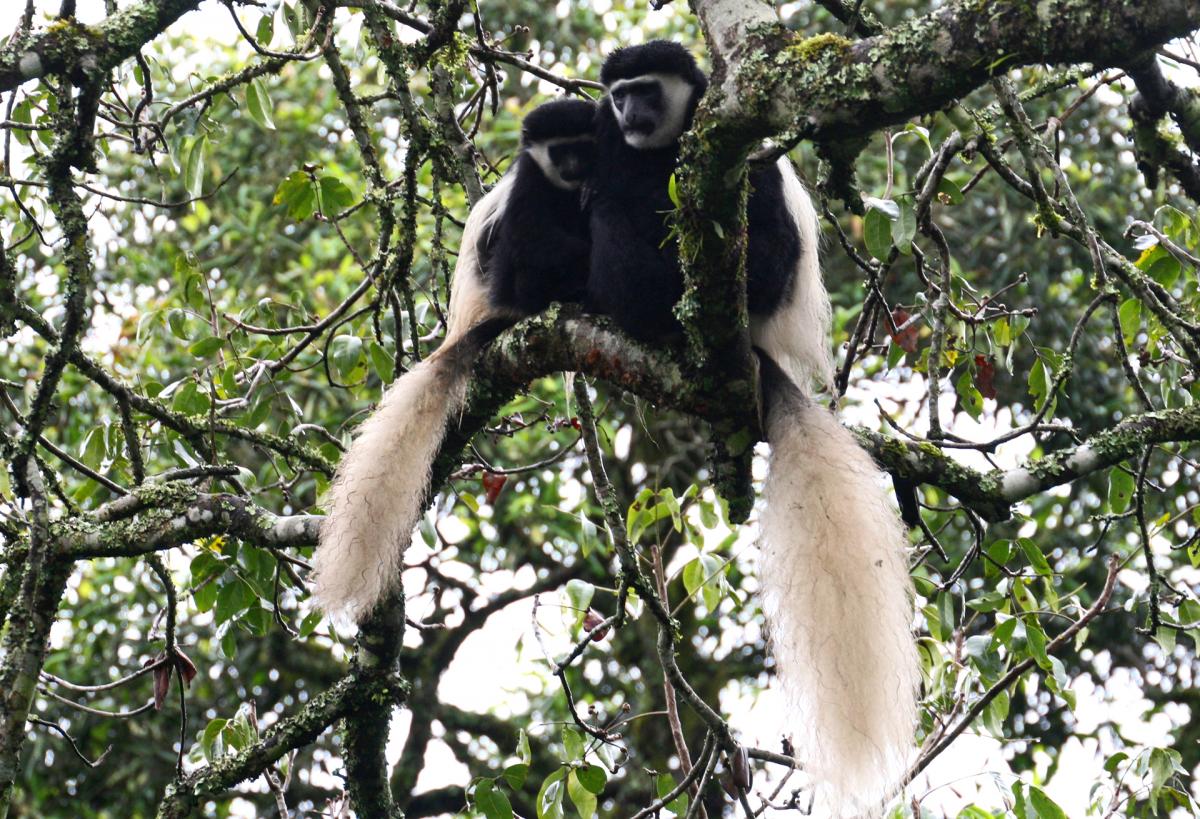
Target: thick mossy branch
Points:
(161, 516)
(828, 87)
(1157, 147)
(349, 694)
(155, 517)
(991, 493)
(88, 52)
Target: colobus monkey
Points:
(538, 250)
(835, 583)
(525, 244)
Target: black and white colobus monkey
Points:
(524, 245)
(835, 583)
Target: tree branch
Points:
(83, 52)
(828, 87)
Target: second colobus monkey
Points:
(835, 583)
(525, 244)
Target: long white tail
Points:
(838, 601)
(378, 494)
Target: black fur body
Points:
(537, 250)
(635, 273)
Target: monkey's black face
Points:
(574, 160)
(565, 161)
(652, 110)
(639, 106)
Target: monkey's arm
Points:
(631, 277)
(555, 268)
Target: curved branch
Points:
(344, 697)
(829, 87)
(81, 51)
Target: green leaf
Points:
(995, 714)
(579, 597)
(969, 397)
(550, 796)
(1046, 807)
(515, 775)
(296, 193)
(177, 322)
(664, 784)
(1130, 315)
(266, 30)
(673, 191)
(1113, 762)
(189, 400)
(210, 740)
(572, 743)
(1039, 382)
(713, 585)
(310, 622)
(523, 752)
(233, 598)
(95, 448)
(1163, 764)
(592, 777)
(1002, 332)
(1165, 637)
(258, 102)
(193, 169)
(492, 801)
(946, 614)
(333, 195)
(206, 346)
(1165, 270)
(205, 596)
(693, 576)
(344, 353)
(1035, 638)
(583, 799)
(229, 643)
(1035, 557)
(877, 233)
(381, 361)
(906, 225)
(949, 193)
(1002, 634)
(1121, 485)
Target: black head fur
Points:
(558, 118)
(654, 57)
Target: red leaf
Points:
(985, 376)
(905, 337)
(162, 683)
(743, 774)
(492, 484)
(187, 669)
(590, 621)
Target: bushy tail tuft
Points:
(838, 601)
(378, 494)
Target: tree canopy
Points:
(218, 247)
